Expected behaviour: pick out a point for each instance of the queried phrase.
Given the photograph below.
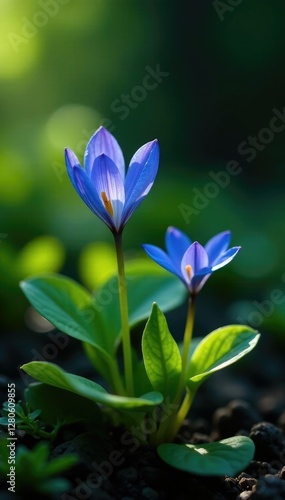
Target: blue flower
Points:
(102, 184)
(192, 262)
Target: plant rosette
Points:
(161, 383)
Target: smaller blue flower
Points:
(192, 262)
(102, 184)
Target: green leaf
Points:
(51, 374)
(161, 354)
(226, 457)
(98, 360)
(142, 265)
(219, 349)
(142, 291)
(69, 307)
(57, 405)
(34, 471)
(141, 380)
(22, 415)
(166, 291)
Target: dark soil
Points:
(247, 400)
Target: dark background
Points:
(65, 68)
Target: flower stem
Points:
(126, 341)
(187, 339)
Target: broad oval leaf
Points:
(226, 457)
(69, 307)
(220, 348)
(51, 374)
(161, 354)
(142, 291)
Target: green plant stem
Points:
(186, 347)
(180, 416)
(187, 337)
(126, 340)
(164, 428)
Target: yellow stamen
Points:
(189, 271)
(107, 204)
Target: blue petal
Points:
(90, 196)
(195, 256)
(217, 245)
(176, 245)
(102, 142)
(199, 281)
(140, 177)
(225, 258)
(71, 161)
(107, 179)
(161, 258)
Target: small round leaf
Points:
(226, 457)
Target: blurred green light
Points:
(97, 264)
(42, 254)
(18, 53)
(15, 181)
(71, 126)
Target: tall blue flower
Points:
(192, 262)
(102, 184)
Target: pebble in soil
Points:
(237, 416)
(269, 441)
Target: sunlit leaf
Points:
(51, 374)
(226, 457)
(69, 307)
(161, 354)
(219, 349)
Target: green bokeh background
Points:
(65, 68)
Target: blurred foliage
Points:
(65, 69)
(36, 474)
